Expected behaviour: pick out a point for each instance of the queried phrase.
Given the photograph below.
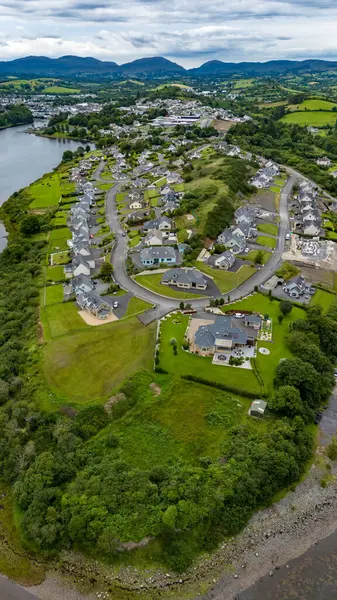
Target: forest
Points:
(16, 114)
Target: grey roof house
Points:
(158, 255)
(185, 278)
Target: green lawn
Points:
(134, 239)
(332, 235)
(152, 282)
(185, 363)
(315, 119)
(136, 306)
(89, 364)
(267, 241)
(324, 299)
(120, 197)
(59, 221)
(61, 258)
(55, 273)
(268, 228)
(53, 294)
(226, 280)
(261, 304)
(60, 234)
(45, 192)
(251, 255)
(104, 186)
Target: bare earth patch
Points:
(155, 388)
(113, 400)
(94, 321)
(221, 125)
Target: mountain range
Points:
(157, 66)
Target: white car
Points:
(116, 304)
(239, 315)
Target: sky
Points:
(189, 32)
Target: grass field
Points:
(261, 304)
(252, 255)
(61, 258)
(54, 294)
(185, 363)
(60, 234)
(104, 186)
(56, 89)
(267, 241)
(136, 306)
(268, 228)
(315, 119)
(226, 280)
(61, 319)
(89, 364)
(324, 299)
(55, 273)
(152, 282)
(316, 104)
(45, 192)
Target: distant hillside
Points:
(76, 65)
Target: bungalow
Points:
(225, 260)
(313, 229)
(94, 304)
(155, 256)
(185, 278)
(162, 223)
(155, 237)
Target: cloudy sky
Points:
(187, 31)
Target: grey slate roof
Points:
(222, 328)
(184, 276)
(159, 252)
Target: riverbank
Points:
(59, 136)
(2, 127)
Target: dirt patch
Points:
(94, 321)
(155, 388)
(319, 275)
(113, 400)
(265, 199)
(221, 125)
(133, 545)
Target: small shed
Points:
(257, 408)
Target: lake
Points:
(23, 159)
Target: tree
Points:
(259, 258)
(287, 401)
(67, 156)
(4, 392)
(106, 272)
(286, 307)
(87, 148)
(280, 319)
(30, 225)
(302, 375)
(181, 306)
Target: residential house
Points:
(225, 260)
(185, 278)
(82, 283)
(245, 215)
(94, 304)
(225, 334)
(298, 286)
(237, 243)
(162, 223)
(155, 237)
(324, 161)
(312, 230)
(155, 256)
(81, 248)
(136, 204)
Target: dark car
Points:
(318, 418)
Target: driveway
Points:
(11, 591)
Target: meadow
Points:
(45, 192)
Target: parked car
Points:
(318, 418)
(116, 304)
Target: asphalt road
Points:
(12, 591)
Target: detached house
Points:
(94, 304)
(225, 260)
(155, 237)
(155, 256)
(237, 243)
(185, 278)
(297, 287)
(244, 215)
(162, 223)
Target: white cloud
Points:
(188, 31)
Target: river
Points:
(23, 159)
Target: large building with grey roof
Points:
(226, 334)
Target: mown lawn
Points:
(267, 241)
(60, 258)
(261, 304)
(226, 280)
(152, 282)
(185, 363)
(270, 228)
(62, 233)
(136, 306)
(53, 294)
(252, 255)
(324, 299)
(45, 192)
(89, 364)
(55, 273)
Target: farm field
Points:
(185, 363)
(45, 192)
(278, 350)
(315, 104)
(226, 280)
(90, 363)
(56, 89)
(315, 119)
(152, 282)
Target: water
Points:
(23, 159)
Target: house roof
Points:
(154, 224)
(258, 406)
(222, 328)
(184, 276)
(82, 280)
(160, 252)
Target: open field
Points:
(226, 280)
(152, 282)
(315, 119)
(314, 104)
(56, 89)
(45, 192)
(54, 294)
(61, 319)
(186, 363)
(89, 364)
(265, 240)
(55, 273)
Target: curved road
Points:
(164, 305)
